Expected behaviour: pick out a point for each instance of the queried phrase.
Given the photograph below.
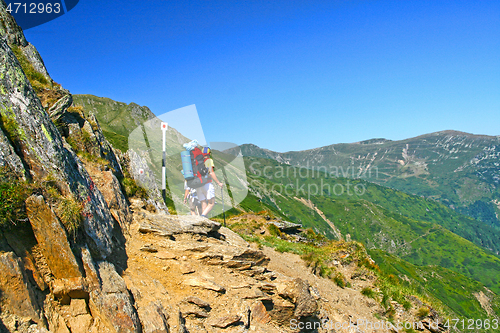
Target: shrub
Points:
(423, 312)
(131, 189)
(13, 194)
(368, 292)
(406, 305)
(274, 230)
(69, 212)
(340, 280)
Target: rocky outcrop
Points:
(9, 28)
(298, 292)
(51, 236)
(17, 296)
(41, 148)
(109, 299)
(14, 35)
(154, 318)
(60, 107)
(172, 225)
(8, 158)
(144, 177)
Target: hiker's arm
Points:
(186, 192)
(214, 177)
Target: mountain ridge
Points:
(459, 169)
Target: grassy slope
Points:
(116, 119)
(454, 290)
(410, 227)
(415, 207)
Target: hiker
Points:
(206, 193)
(191, 196)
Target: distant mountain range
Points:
(459, 169)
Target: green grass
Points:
(116, 119)
(38, 81)
(13, 194)
(69, 212)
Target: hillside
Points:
(459, 169)
(118, 119)
(421, 232)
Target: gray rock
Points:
(9, 158)
(298, 292)
(144, 177)
(286, 226)
(197, 301)
(225, 321)
(254, 256)
(9, 28)
(112, 302)
(60, 107)
(169, 225)
(154, 318)
(44, 152)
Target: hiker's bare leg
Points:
(209, 206)
(203, 206)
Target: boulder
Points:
(110, 188)
(286, 226)
(17, 296)
(298, 292)
(110, 303)
(255, 256)
(259, 313)
(51, 237)
(153, 318)
(60, 107)
(169, 225)
(143, 175)
(8, 157)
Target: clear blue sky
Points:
(288, 75)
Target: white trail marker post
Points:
(164, 128)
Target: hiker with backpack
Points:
(206, 193)
(198, 171)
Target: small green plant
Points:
(423, 312)
(274, 230)
(131, 189)
(13, 194)
(69, 212)
(368, 292)
(339, 279)
(37, 79)
(406, 305)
